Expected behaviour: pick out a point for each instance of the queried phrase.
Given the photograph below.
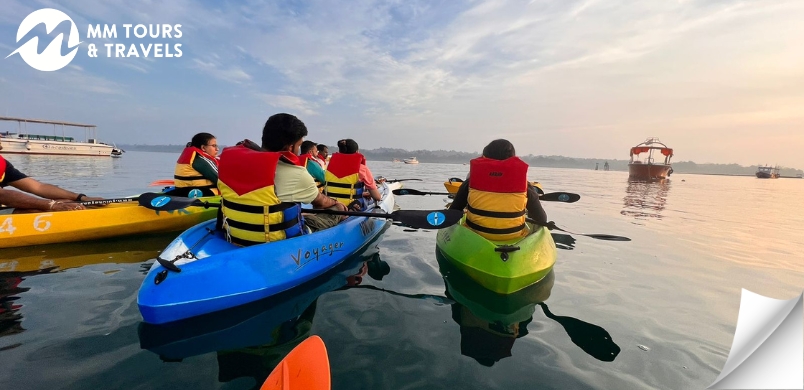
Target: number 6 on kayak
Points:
(419, 219)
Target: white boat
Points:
(411, 160)
(23, 142)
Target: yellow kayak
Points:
(113, 220)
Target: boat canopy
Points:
(644, 149)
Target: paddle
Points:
(305, 367)
(565, 197)
(419, 219)
(165, 182)
(552, 226)
(398, 180)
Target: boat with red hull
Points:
(642, 165)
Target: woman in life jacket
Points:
(348, 179)
(497, 195)
(196, 172)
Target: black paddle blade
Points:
(606, 237)
(410, 191)
(427, 219)
(398, 180)
(163, 202)
(566, 197)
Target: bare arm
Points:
(375, 194)
(323, 202)
(23, 201)
(48, 191)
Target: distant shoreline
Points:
(456, 157)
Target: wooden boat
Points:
(23, 142)
(645, 168)
(411, 160)
(767, 172)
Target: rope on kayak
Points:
(169, 264)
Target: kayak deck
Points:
(503, 267)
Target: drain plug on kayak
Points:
(505, 250)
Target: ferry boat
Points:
(767, 172)
(411, 160)
(644, 167)
(24, 142)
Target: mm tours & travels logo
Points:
(54, 58)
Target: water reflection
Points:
(18, 264)
(490, 323)
(645, 199)
(250, 340)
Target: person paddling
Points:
(48, 197)
(262, 188)
(196, 172)
(348, 179)
(497, 195)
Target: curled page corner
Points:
(768, 347)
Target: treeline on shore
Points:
(456, 157)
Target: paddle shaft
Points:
(564, 197)
(552, 226)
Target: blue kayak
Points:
(217, 275)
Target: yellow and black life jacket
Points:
(252, 212)
(2, 169)
(185, 176)
(343, 179)
(498, 198)
(305, 159)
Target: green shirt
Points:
(315, 171)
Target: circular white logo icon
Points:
(49, 59)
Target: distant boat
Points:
(23, 142)
(396, 160)
(411, 160)
(767, 172)
(645, 168)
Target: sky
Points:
(719, 81)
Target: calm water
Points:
(657, 312)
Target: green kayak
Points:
(503, 267)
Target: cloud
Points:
(232, 74)
(291, 103)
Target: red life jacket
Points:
(186, 176)
(252, 212)
(2, 168)
(498, 198)
(343, 179)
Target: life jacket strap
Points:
(496, 214)
(256, 209)
(488, 230)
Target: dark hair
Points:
(347, 146)
(200, 140)
(307, 146)
(499, 149)
(281, 131)
(322, 146)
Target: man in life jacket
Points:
(308, 160)
(262, 188)
(196, 172)
(348, 179)
(52, 198)
(497, 195)
(323, 154)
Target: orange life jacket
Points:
(498, 198)
(186, 176)
(252, 212)
(343, 179)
